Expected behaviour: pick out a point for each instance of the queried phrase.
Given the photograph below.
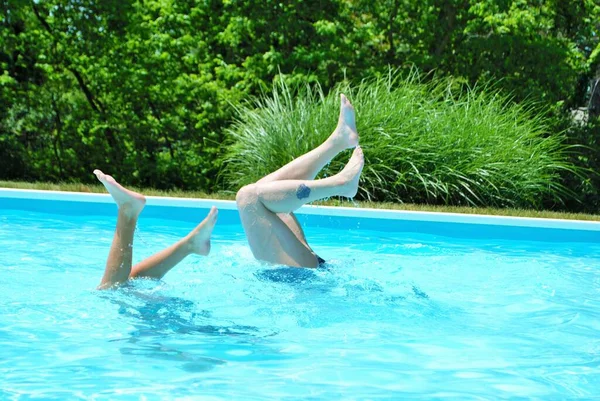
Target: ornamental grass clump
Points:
(430, 142)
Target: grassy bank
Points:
(74, 187)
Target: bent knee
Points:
(247, 195)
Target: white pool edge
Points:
(318, 210)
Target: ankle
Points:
(192, 245)
(128, 213)
(335, 144)
(186, 245)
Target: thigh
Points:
(291, 221)
(274, 238)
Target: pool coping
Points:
(387, 214)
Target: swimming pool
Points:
(410, 306)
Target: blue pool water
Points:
(395, 315)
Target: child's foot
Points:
(345, 134)
(199, 238)
(129, 202)
(351, 173)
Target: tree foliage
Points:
(146, 88)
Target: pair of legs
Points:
(119, 267)
(266, 207)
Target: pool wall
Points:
(343, 218)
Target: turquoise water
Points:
(393, 316)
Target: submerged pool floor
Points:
(394, 315)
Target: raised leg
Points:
(130, 204)
(197, 241)
(285, 196)
(307, 166)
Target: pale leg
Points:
(196, 242)
(130, 204)
(307, 166)
(285, 196)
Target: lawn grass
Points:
(99, 188)
(75, 187)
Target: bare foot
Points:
(199, 238)
(129, 202)
(351, 173)
(345, 134)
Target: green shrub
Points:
(425, 142)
